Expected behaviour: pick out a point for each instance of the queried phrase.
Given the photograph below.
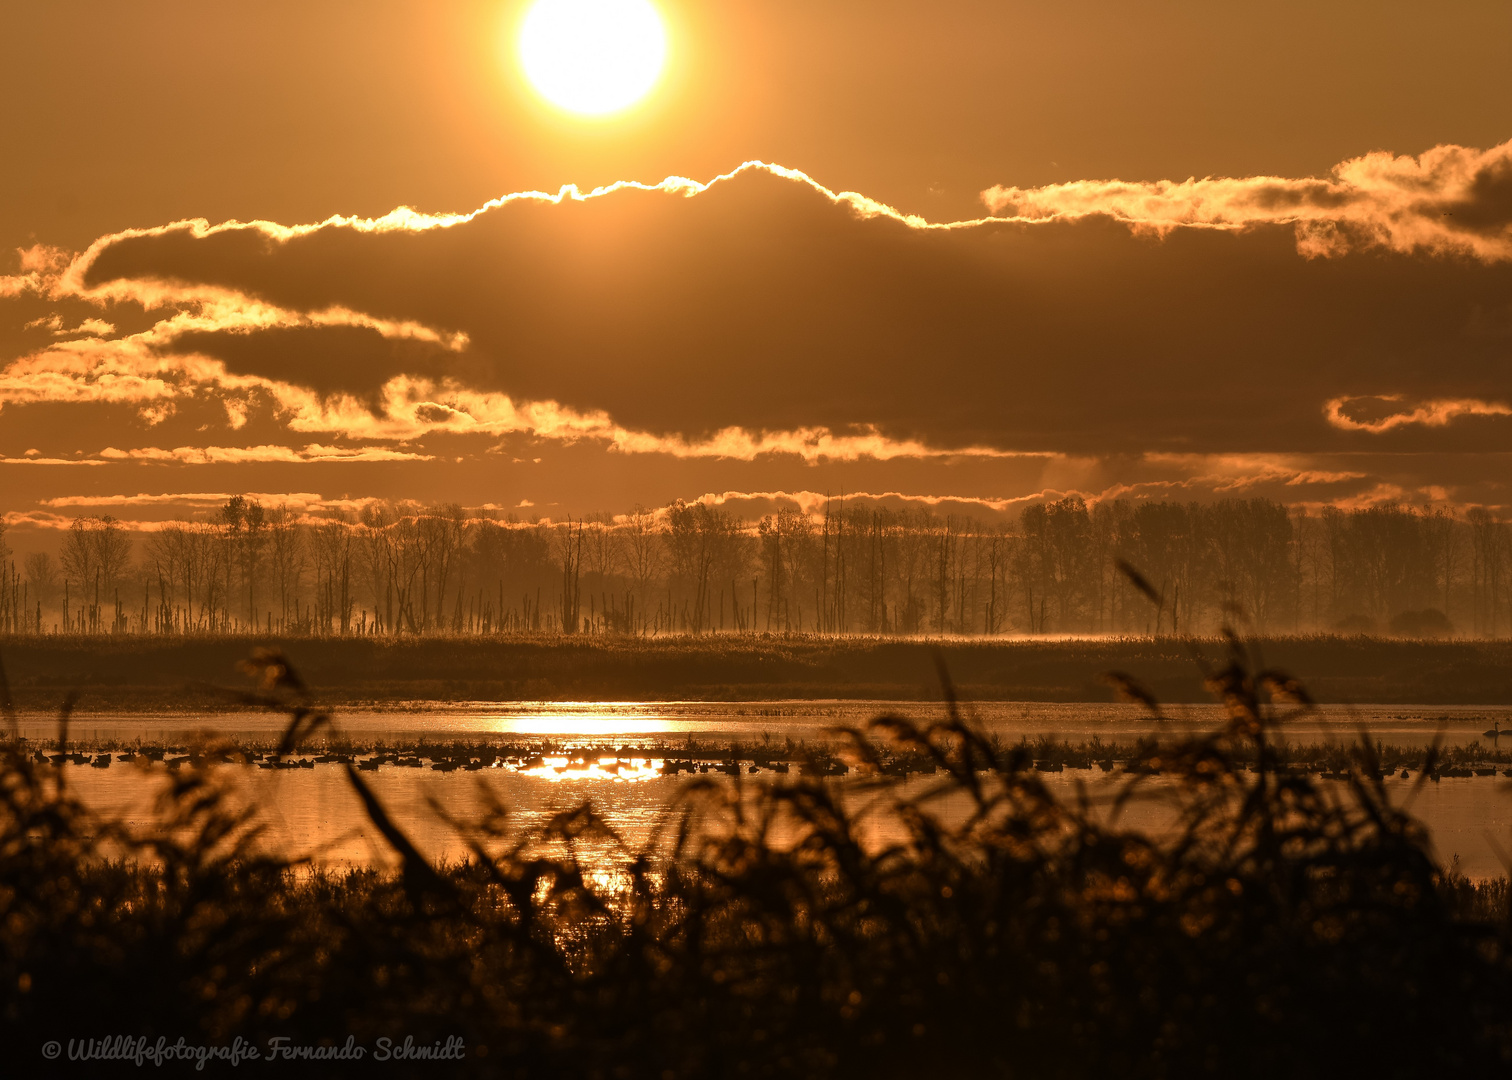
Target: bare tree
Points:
(42, 585)
(207, 571)
(95, 556)
(443, 533)
(165, 554)
(376, 562)
(643, 552)
(333, 546)
(286, 553)
(42, 579)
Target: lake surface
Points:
(645, 723)
(313, 812)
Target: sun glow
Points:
(593, 57)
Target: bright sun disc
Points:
(593, 56)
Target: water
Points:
(314, 813)
(638, 723)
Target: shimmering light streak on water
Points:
(590, 718)
(604, 768)
(644, 723)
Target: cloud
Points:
(408, 408)
(35, 519)
(1380, 494)
(90, 370)
(1236, 474)
(36, 459)
(236, 413)
(47, 520)
(762, 315)
(1395, 414)
(150, 369)
(812, 503)
(202, 498)
(811, 444)
(222, 455)
(1178, 476)
(1450, 200)
(178, 506)
(41, 269)
(304, 502)
(54, 322)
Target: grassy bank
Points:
(144, 673)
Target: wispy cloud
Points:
(41, 268)
(812, 503)
(1229, 474)
(38, 459)
(299, 499)
(131, 371)
(1437, 412)
(88, 327)
(413, 407)
(224, 455)
(227, 455)
(307, 506)
(51, 520)
(1450, 200)
(812, 444)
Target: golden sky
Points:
(999, 250)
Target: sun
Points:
(593, 57)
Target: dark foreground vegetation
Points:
(130, 672)
(1285, 927)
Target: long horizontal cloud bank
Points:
(764, 314)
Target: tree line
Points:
(693, 568)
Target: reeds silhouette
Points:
(1281, 926)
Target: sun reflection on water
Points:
(596, 718)
(601, 768)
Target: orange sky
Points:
(1330, 320)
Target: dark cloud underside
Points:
(762, 304)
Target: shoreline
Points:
(1042, 753)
